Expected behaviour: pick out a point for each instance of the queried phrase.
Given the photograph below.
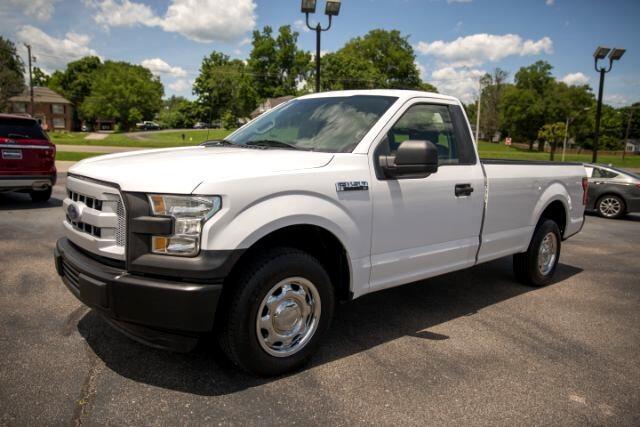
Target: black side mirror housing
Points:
(414, 159)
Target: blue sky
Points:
(456, 41)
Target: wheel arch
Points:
(318, 241)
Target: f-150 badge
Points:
(352, 186)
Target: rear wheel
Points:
(40, 195)
(611, 206)
(279, 310)
(536, 266)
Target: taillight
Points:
(585, 190)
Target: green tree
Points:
(40, 78)
(492, 90)
(126, 92)
(224, 85)
(229, 120)
(552, 133)
(379, 59)
(276, 62)
(75, 81)
(177, 112)
(11, 72)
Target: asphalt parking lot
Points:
(472, 347)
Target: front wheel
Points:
(536, 266)
(277, 313)
(611, 206)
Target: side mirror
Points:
(414, 159)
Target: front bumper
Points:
(161, 313)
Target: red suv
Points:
(27, 161)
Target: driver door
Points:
(423, 227)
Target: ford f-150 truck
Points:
(251, 240)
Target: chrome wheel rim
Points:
(288, 316)
(610, 206)
(547, 253)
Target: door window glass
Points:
(603, 173)
(426, 122)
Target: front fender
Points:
(255, 221)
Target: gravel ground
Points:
(472, 347)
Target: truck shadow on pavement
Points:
(358, 325)
(22, 201)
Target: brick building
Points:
(50, 109)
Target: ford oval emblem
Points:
(74, 212)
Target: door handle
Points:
(463, 190)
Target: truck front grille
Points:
(101, 226)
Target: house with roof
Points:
(633, 146)
(268, 104)
(52, 110)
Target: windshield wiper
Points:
(218, 142)
(273, 143)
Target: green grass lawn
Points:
(146, 140)
(498, 151)
(73, 156)
(195, 137)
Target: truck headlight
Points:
(189, 213)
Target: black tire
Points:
(237, 329)
(40, 196)
(525, 265)
(607, 210)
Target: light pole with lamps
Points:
(332, 8)
(601, 53)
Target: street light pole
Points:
(601, 53)
(332, 8)
(564, 143)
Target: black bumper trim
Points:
(142, 307)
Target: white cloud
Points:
(54, 53)
(42, 10)
(300, 25)
(617, 100)
(550, 2)
(476, 49)
(459, 82)
(202, 21)
(158, 66)
(180, 86)
(575, 79)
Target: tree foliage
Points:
(126, 92)
(276, 63)
(74, 82)
(379, 59)
(553, 134)
(11, 72)
(40, 78)
(178, 112)
(224, 85)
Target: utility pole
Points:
(478, 112)
(28, 46)
(566, 132)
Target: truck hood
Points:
(181, 170)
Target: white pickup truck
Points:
(252, 240)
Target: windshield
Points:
(332, 124)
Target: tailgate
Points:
(24, 148)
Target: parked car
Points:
(27, 163)
(612, 192)
(201, 125)
(147, 125)
(328, 197)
